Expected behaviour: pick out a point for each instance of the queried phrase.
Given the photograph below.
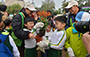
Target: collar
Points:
(60, 30)
(24, 13)
(26, 29)
(74, 29)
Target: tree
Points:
(80, 2)
(48, 5)
(64, 4)
(0, 3)
(15, 8)
(57, 11)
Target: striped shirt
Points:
(58, 39)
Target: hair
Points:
(1, 16)
(3, 7)
(51, 23)
(28, 19)
(7, 22)
(62, 19)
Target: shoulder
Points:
(17, 16)
(5, 33)
(69, 29)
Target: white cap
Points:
(82, 16)
(71, 3)
(30, 6)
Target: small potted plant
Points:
(43, 18)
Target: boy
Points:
(57, 39)
(74, 43)
(30, 44)
(7, 23)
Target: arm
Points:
(17, 28)
(15, 49)
(60, 42)
(86, 41)
(67, 42)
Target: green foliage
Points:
(57, 11)
(15, 8)
(0, 3)
(80, 2)
(48, 5)
(45, 21)
(64, 4)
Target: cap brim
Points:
(33, 9)
(68, 7)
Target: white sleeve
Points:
(60, 43)
(15, 49)
(49, 38)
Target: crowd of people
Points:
(61, 37)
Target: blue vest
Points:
(4, 47)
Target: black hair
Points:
(27, 19)
(7, 22)
(62, 19)
(3, 7)
(1, 16)
(51, 23)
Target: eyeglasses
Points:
(71, 7)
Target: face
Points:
(48, 28)
(28, 11)
(59, 25)
(73, 9)
(29, 25)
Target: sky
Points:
(38, 3)
(58, 3)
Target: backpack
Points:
(5, 47)
(17, 41)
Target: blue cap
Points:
(82, 16)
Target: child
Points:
(48, 33)
(57, 39)
(74, 43)
(7, 45)
(30, 44)
(7, 23)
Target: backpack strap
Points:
(22, 19)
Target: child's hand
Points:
(32, 36)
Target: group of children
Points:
(71, 39)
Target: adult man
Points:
(74, 9)
(17, 25)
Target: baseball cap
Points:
(71, 3)
(30, 6)
(82, 16)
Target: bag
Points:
(17, 41)
(6, 48)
